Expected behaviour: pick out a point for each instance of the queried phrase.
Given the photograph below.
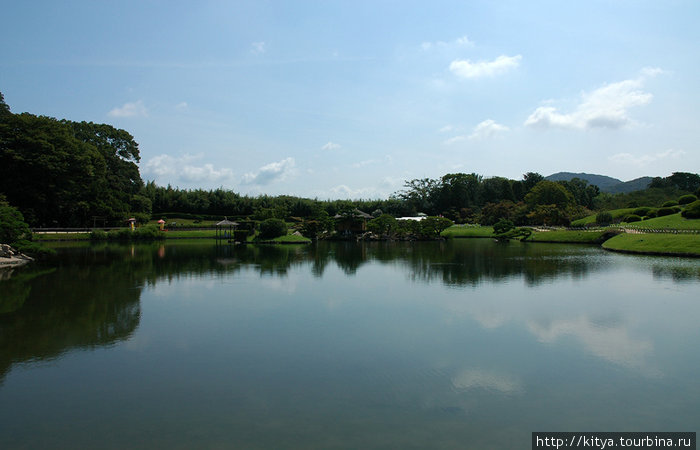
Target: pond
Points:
(459, 344)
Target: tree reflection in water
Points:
(90, 295)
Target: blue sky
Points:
(349, 99)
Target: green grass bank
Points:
(655, 244)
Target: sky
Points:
(351, 99)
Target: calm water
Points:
(464, 344)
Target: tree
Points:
(549, 193)
(530, 179)
(4, 108)
(583, 192)
(58, 172)
(48, 174)
(457, 191)
(12, 225)
(503, 226)
(272, 228)
(383, 225)
(603, 218)
(495, 189)
(420, 194)
(432, 226)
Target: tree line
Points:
(76, 174)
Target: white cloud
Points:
(344, 192)
(464, 68)
(257, 48)
(446, 128)
(182, 106)
(487, 129)
(484, 379)
(605, 107)
(166, 168)
(134, 109)
(274, 171)
(459, 42)
(613, 343)
(331, 146)
(464, 42)
(366, 162)
(454, 140)
(645, 160)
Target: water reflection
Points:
(92, 297)
(86, 301)
(372, 345)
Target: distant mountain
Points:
(605, 183)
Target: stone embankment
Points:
(10, 257)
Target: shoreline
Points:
(661, 244)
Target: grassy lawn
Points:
(671, 221)
(47, 237)
(616, 214)
(568, 236)
(292, 239)
(675, 244)
(465, 231)
(174, 234)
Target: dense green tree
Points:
(272, 228)
(12, 225)
(4, 108)
(456, 191)
(383, 225)
(530, 179)
(432, 226)
(604, 218)
(583, 192)
(48, 174)
(61, 173)
(495, 189)
(549, 193)
(420, 194)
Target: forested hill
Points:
(606, 184)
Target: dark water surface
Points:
(463, 344)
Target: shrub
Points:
(665, 212)
(669, 203)
(383, 224)
(643, 211)
(603, 218)
(652, 213)
(33, 249)
(692, 211)
(98, 235)
(432, 226)
(632, 218)
(12, 225)
(122, 234)
(147, 233)
(272, 228)
(503, 226)
(685, 199)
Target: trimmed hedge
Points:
(632, 218)
(686, 199)
(272, 228)
(665, 212)
(692, 211)
(603, 218)
(669, 203)
(643, 211)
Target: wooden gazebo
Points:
(225, 228)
